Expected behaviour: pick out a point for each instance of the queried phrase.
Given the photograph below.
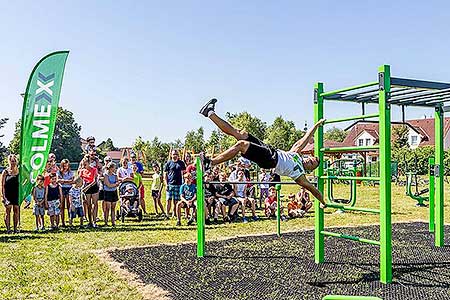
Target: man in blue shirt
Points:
(173, 178)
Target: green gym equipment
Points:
(384, 92)
(412, 179)
(338, 168)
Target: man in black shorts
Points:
(286, 163)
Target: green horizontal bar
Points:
(350, 237)
(341, 297)
(369, 116)
(355, 148)
(343, 207)
(351, 178)
(364, 85)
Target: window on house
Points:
(414, 140)
(367, 142)
(360, 142)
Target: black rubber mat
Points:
(266, 267)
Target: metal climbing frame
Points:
(384, 92)
(201, 240)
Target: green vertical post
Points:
(200, 210)
(278, 188)
(384, 76)
(431, 188)
(318, 144)
(439, 175)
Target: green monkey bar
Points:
(388, 91)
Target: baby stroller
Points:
(129, 201)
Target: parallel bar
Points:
(384, 76)
(350, 237)
(355, 148)
(278, 189)
(200, 211)
(251, 182)
(439, 183)
(434, 102)
(361, 86)
(351, 178)
(352, 208)
(368, 116)
(319, 246)
(423, 84)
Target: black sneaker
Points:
(215, 221)
(190, 222)
(208, 222)
(178, 223)
(209, 106)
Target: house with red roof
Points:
(366, 133)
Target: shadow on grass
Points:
(12, 238)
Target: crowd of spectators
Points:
(66, 195)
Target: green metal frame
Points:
(436, 196)
(384, 107)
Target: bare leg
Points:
(8, 217)
(227, 128)
(239, 147)
(16, 216)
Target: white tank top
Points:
(240, 188)
(287, 165)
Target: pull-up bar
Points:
(369, 116)
(360, 86)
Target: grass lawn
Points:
(62, 265)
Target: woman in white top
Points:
(124, 173)
(240, 190)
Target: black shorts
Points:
(92, 190)
(65, 190)
(110, 196)
(155, 194)
(265, 156)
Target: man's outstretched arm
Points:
(304, 182)
(301, 143)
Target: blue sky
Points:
(143, 68)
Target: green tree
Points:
(155, 151)
(14, 144)
(66, 138)
(400, 136)
(217, 142)
(249, 123)
(335, 134)
(3, 150)
(195, 140)
(282, 134)
(107, 145)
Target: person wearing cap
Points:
(157, 187)
(286, 163)
(173, 179)
(90, 145)
(53, 168)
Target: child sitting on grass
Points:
(188, 196)
(270, 203)
(39, 202)
(75, 202)
(299, 204)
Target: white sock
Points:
(210, 113)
